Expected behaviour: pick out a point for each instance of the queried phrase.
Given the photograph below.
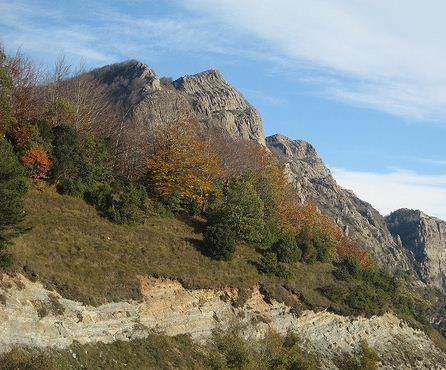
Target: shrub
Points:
(348, 268)
(364, 358)
(270, 266)
(37, 161)
(366, 299)
(318, 236)
(122, 202)
(309, 252)
(234, 349)
(286, 248)
(220, 241)
(334, 292)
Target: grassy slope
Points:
(85, 257)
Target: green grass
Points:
(85, 257)
(225, 351)
(154, 352)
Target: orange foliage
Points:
(183, 163)
(38, 161)
(349, 247)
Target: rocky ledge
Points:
(30, 315)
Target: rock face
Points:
(313, 181)
(128, 82)
(33, 316)
(207, 96)
(218, 103)
(425, 238)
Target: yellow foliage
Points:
(182, 163)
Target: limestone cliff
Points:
(218, 103)
(425, 238)
(207, 96)
(313, 181)
(33, 316)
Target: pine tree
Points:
(12, 190)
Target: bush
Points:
(220, 241)
(122, 202)
(233, 348)
(286, 248)
(366, 299)
(364, 358)
(334, 292)
(37, 161)
(309, 252)
(348, 268)
(270, 266)
(318, 237)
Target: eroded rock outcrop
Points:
(425, 238)
(206, 95)
(313, 181)
(218, 103)
(33, 316)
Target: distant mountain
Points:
(206, 95)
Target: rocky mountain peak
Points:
(218, 103)
(128, 82)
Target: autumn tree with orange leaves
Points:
(182, 165)
(38, 163)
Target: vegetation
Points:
(182, 165)
(227, 350)
(371, 291)
(364, 358)
(207, 211)
(220, 241)
(12, 190)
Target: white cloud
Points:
(388, 55)
(388, 192)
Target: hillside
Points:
(174, 215)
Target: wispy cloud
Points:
(388, 192)
(381, 54)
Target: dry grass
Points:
(85, 257)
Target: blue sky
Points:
(364, 82)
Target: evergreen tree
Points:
(6, 116)
(242, 208)
(12, 190)
(79, 166)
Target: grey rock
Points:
(425, 238)
(171, 309)
(218, 103)
(206, 96)
(128, 82)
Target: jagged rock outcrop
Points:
(206, 95)
(33, 316)
(313, 181)
(218, 103)
(128, 82)
(425, 238)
